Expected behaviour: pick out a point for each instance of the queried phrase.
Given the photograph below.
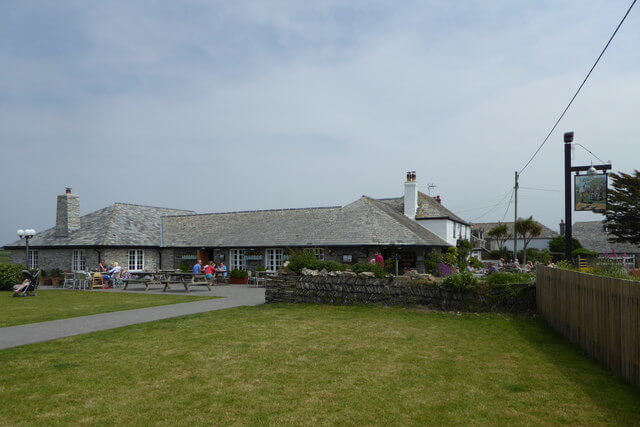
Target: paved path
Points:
(235, 296)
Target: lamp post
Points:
(26, 235)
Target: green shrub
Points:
(565, 265)
(10, 274)
(239, 274)
(261, 268)
(307, 259)
(184, 267)
(535, 255)
(503, 253)
(557, 244)
(464, 280)
(378, 271)
(610, 268)
(475, 262)
(504, 278)
(431, 261)
(583, 253)
(463, 251)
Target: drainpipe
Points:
(99, 255)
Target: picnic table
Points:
(167, 278)
(147, 278)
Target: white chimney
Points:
(411, 195)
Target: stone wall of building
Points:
(61, 258)
(398, 291)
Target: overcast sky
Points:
(222, 106)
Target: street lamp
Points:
(26, 235)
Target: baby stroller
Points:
(34, 281)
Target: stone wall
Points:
(399, 291)
(62, 258)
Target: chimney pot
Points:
(67, 190)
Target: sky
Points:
(223, 106)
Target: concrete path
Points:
(235, 296)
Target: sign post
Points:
(568, 169)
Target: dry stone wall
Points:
(399, 291)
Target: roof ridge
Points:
(391, 214)
(262, 210)
(149, 206)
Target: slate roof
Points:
(547, 233)
(592, 236)
(120, 224)
(364, 222)
(428, 207)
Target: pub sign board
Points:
(591, 192)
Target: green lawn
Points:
(305, 364)
(58, 304)
(5, 257)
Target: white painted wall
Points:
(444, 228)
(534, 243)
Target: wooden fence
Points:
(600, 314)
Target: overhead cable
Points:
(579, 88)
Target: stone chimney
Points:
(67, 213)
(562, 227)
(411, 195)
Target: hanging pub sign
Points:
(591, 192)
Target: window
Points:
(237, 260)
(136, 260)
(78, 262)
(273, 259)
(33, 259)
(319, 253)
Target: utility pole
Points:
(515, 219)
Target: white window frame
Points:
(273, 258)
(319, 253)
(135, 260)
(237, 259)
(78, 260)
(32, 258)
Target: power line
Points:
(507, 210)
(589, 152)
(540, 189)
(495, 206)
(579, 88)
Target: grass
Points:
(59, 304)
(306, 364)
(5, 257)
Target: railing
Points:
(600, 314)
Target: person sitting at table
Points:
(108, 278)
(209, 270)
(102, 267)
(222, 268)
(197, 268)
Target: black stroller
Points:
(34, 281)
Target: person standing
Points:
(223, 269)
(209, 270)
(197, 268)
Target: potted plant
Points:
(239, 277)
(46, 280)
(56, 277)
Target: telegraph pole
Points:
(515, 219)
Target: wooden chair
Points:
(97, 281)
